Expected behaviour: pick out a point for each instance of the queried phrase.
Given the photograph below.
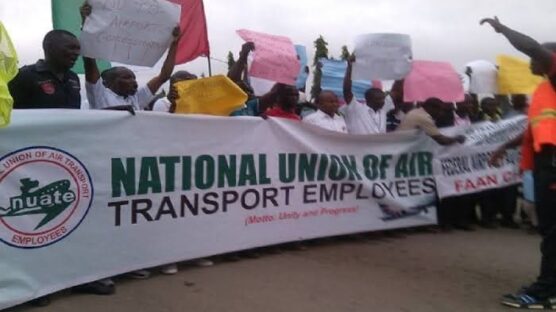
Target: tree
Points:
(345, 53)
(321, 51)
(231, 60)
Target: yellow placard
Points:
(8, 70)
(216, 95)
(515, 77)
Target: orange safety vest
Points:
(542, 116)
(542, 123)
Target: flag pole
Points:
(209, 66)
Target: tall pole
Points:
(210, 66)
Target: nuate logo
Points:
(45, 193)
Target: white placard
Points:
(382, 57)
(484, 76)
(261, 86)
(129, 32)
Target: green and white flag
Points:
(65, 15)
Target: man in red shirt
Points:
(285, 104)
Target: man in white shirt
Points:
(118, 86)
(368, 118)
(327, 116)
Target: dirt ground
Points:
(456, 271)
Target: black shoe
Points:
(95, 288)
(40, 302)
(540, 289)
(524, 301)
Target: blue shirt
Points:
(251, 108)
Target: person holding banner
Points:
(118, 86)
(168, 103)
(493, 202)
(286, 102)
(519, 107)
(369, 118)
(447, 116)
(50, 83)
(490, 108)
(538, 154)
(395, 116)
(456, 211)
(327, 116)
(424, 117)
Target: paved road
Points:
(457, 271)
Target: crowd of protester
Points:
(50, 83)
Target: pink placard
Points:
(274, 57)
(433, 79)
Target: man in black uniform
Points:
(50, 83)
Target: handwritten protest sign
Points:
(129, 32)
(303, 71)
(483, 77)
(262, 86)
(515, 77)
(216, 95)
(274, 57)
(382, 57)
(333, 73)
(432, 79)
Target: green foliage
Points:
(321, 51)
(231, 60)
(345, 53)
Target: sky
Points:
(440, 30)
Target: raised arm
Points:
(239, 66)
(348, 94)
(92, 74)
(168, 66)
(523, 43)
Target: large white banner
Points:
(465, 169)
(91, 194)
(129, 32)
